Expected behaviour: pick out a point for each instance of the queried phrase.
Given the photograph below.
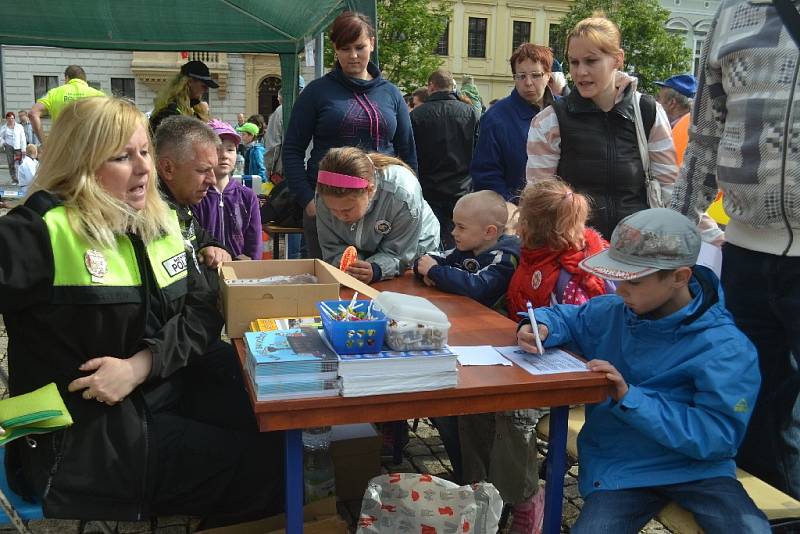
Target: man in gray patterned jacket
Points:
(745, 140)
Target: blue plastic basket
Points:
(354, 337)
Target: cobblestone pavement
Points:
(424, 453)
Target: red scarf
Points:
(536, 277)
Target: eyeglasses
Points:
(522, 76)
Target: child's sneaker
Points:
(529, 516)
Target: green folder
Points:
(37, 412)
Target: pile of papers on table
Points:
(391, 371)
(292, 363)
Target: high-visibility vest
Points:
(86, 273)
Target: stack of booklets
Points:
(293, 363)
(391, 371)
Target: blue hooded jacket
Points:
(693, 378)
(337, 111)
(254, 160)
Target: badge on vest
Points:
(175, 265)
(96, 264)
(536, 279)
(471, 265)
(383, 227)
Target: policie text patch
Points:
(175, 265)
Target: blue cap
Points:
(685, 84)
(556, 66)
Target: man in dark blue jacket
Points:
(445, 129)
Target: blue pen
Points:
(535, 327)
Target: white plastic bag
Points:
(403, 503)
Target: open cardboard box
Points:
(244, 303)
(319, 518)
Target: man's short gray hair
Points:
(177, 135)
(682, 100)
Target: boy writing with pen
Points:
(683, 383)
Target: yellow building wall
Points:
(492, 74)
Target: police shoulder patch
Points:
(175, 265)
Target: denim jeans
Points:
(294, 242)
(719, 505)
(763, 294)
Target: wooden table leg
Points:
(294, 481)
(556, 468)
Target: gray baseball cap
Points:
(645, 242)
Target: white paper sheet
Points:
(479, 355)
(551, 362)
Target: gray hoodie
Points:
(398, 227)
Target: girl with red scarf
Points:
(554, 236)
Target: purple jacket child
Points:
(233, 217)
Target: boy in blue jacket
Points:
(683, 379)
(484, 259)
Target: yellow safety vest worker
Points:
(60, 96)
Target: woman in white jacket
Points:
(12, 138)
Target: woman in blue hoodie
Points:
(350, 106)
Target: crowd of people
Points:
(585, 203)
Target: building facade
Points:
(691, 19)
(249, 83)
(481, 36)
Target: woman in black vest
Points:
(589, 137)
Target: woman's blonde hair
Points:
(600, 31)
(354, 162)
(177, 90)
(552, 215)
(85, 135)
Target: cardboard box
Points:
(356, 454)
(245, 303)
(319, 518)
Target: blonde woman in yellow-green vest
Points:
(100, 296)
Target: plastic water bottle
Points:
(318, 474)
(239, 167)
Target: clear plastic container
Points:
(414, 323)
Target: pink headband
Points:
(341, 180)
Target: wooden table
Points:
(480, 389)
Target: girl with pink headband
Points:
(373, 202)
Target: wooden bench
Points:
(275, 232)
(776, 505)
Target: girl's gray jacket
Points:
(398, 227)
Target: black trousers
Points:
(212, 461)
